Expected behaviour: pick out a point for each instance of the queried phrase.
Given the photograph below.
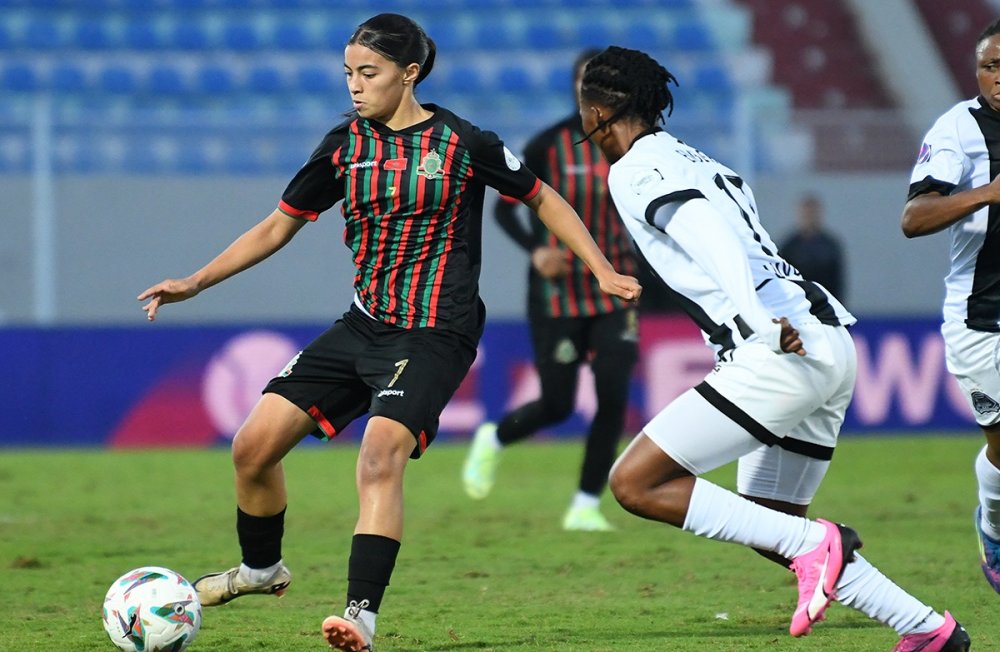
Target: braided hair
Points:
(630, 83)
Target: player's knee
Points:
(383, 456)
(249, 459)
(623, 486)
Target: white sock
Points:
(257, 576)
(866, 589)
(584, 500)
(721, 515)
(368, 618)
(989, 495)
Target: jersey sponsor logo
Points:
(925, 153)
(576, 169)
(642, 181)
(287, 371)
(362, 164)
(396, 164)
(430, 166)
(390, 392)
(512, 161)
(983, 404)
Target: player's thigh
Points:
(774, 473)
(614, 342)
(696, 435)
(413, 374)
(973, 357)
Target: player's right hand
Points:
(790, 340)
(550, 262)
(168, 291)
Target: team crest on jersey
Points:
(983, 404)
(925, 154)
(430, 166)
(512, 161)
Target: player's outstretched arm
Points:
(563, 221)
(262, 240)
(931, 212)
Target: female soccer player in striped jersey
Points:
(411, 178)
(572, 321)
(955, 185)
(785, 364)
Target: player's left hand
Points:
(790, 340)
(620, 285)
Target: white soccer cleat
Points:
(349, 633)
(479, 472)
(219, 588)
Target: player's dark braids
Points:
(991, 30)
(631, 84)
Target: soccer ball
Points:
(152, 609)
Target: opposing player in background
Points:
(954, 186)
(411, 178)
(572, 322)
(785, 366)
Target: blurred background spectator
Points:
(814, 250)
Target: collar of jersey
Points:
(414, 128)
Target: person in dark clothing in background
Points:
(814, 251)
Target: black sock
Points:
(260, 538)
(372, 559)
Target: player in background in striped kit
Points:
(955, 186)
(411, 179)
(785, 368)
(572, 321)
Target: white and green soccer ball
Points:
(152, 609)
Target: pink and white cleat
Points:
(818, 571)
(949, 637)
(348, 634)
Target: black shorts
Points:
(612, 337)
(362, 365)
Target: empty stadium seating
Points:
(250, 64)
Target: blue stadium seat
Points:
(291, 35)
(141, 34)
(116, 79)
(92, 34)
(559, 80)
(644, 36)
(545, 36)
(594, 34)
(465, 79)
(19, 76)
(67, 77)
(494, 35)
(265, 79)
(514, 79)
(241, 37)
(692, 36)
(315, 79)
(189, 36)
(215, 80)
(42, 33)
(711, 77)
(164, 79)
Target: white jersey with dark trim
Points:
(695, 223)
(955, 156)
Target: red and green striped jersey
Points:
(579, 172)
(412, 205)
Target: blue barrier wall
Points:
(192, 386)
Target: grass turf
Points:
(492, 575)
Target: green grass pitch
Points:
(492, 575)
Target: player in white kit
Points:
(785, 364)
(954, 186)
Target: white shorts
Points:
(973, 358)
(779, 414)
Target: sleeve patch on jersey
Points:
(512, 161)
(643, 180)
(925, 153)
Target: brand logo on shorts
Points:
(390, 392)
(983, 403)
(287, 371)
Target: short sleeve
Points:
(317, 185)
(496, 166)
(640, 189)
(942, 162)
